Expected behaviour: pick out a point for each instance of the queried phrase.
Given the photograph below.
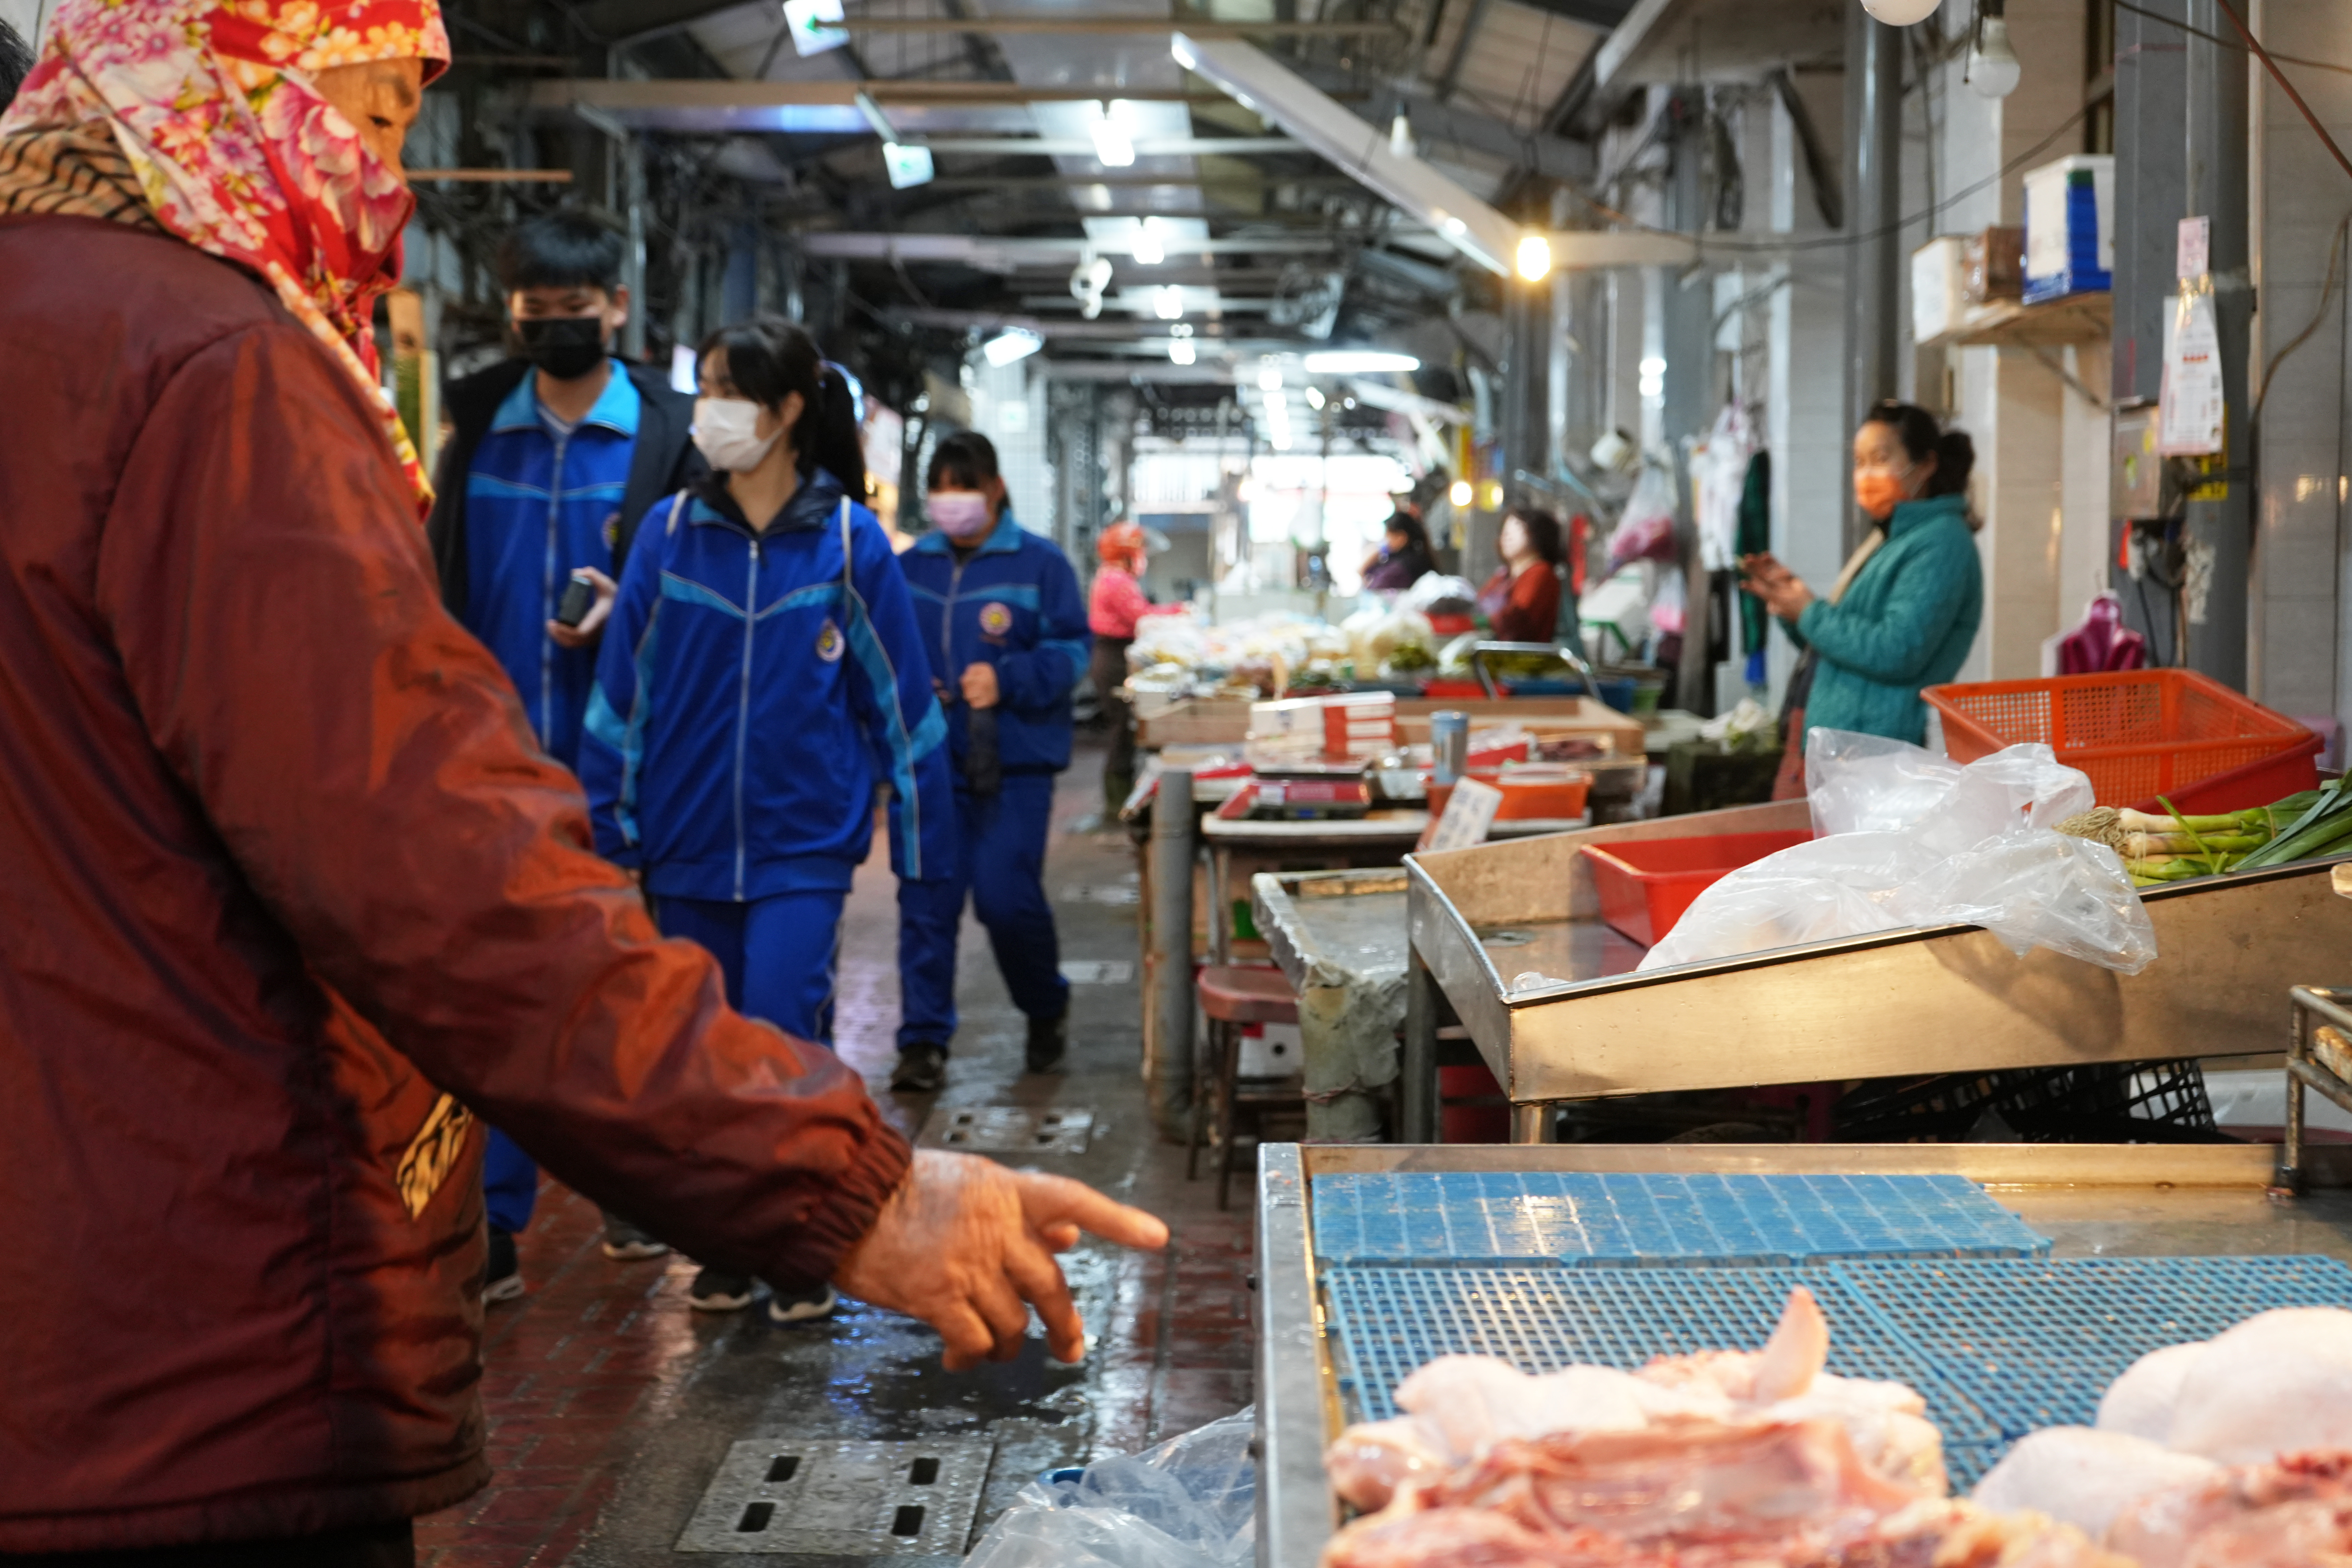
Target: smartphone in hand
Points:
(579, 598)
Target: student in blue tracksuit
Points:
(553, 458)
(1005, 627)
(761, 677)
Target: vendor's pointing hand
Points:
(979, 685)
(966, 1244)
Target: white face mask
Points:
(725, 428)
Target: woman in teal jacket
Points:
(1906, 609)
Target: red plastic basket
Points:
(1645, 884)
(2138, 734)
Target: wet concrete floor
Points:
(612, 1404)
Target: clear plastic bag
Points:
(1192, 1502)
(1910, 839)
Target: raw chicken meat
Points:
(2085, 1478)
(2141, 1403)
(2280, 1382)
(1372, 1460)
(2294, 1512)
(1694, 1493)
(1459, 1407)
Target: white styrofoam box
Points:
(1938, 295)
(1272, 1050)
(2067, 250)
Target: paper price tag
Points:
(2193, 256)
(1468, 815)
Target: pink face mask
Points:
(959, 514)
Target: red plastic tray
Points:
(1645, 884)
(2139, 735)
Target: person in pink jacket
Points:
(1113, 607)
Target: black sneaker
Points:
(502, 1281)
(802, 1306)
(625, 1243)
(923, 1068)
(715, 1292)
(1049, 1039)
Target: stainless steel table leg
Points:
(1417, 1066)
(1527, 1122)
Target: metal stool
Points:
(1231, 995)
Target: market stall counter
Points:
(1510, 939)
(2008, 1285)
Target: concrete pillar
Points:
(1527, 381)
(2301, 659)
(1874, 163)
(2220, 531)
(1685, 314)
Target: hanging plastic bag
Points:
(1645, 529)
(1906, 839)
(1192, 1502)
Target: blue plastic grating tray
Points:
(1998, 1348)
(1577, 1219)
(2035, 1343)
(1391, 1320)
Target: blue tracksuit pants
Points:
(777, 954)
(510, 1184)
(1001, 863)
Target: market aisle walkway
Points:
(610, 1402)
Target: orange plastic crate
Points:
(2138, 734)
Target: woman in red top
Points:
(1521, 600)
(1116, 602)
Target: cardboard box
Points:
(1992, 266)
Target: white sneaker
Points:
(819, 1303)
(625, 1243)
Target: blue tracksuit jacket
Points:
(748, 700)
(538, 507)
(1014, 604)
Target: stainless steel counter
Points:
(1933, 999)
(2140, 1200)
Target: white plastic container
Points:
(2070, 227)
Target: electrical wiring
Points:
(1838, 242)
(2285, 86)
(2326, 293)
(2226, 43)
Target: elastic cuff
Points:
(820, 1242)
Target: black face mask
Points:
(565, 347)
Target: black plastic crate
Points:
(2097, 1102)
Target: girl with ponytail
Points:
(1903, 613)
(763, 674)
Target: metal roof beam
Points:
(1259, 82)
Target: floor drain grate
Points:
(841, 1498)
(1008, 1129)
(1098, 971)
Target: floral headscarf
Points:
(237, 152)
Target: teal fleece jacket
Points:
(1907, 621)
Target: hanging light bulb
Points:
(1401, 142)
(1180, 350)
(1993, 69)
(1901, 13)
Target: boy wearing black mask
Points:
(555, 456)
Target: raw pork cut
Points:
(1692, 1493)
(2294, 1512)
(2084, 1477)
(1458, 1407)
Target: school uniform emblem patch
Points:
(996, 619)
(829, 642)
